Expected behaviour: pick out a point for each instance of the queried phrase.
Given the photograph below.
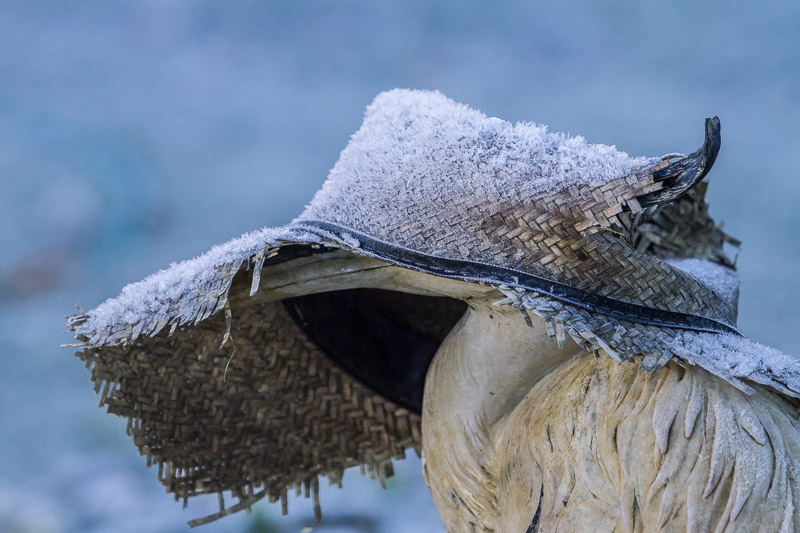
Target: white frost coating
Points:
(424, 144)
(414, 145)
(739, 358)
(722, 280)
(188, 291)
(192, 290)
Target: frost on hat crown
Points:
(417, 141)
(414, 142)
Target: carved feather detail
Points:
(680, 451)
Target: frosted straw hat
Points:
(295, 352)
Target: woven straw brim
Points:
(578, 241)
(243, 401)
(263, 415)
(229, 394)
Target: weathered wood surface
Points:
(608, 447)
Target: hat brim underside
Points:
(308, 381)
(276, 391)
(266, 413)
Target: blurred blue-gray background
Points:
(133, 134)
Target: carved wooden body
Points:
(513, 427)
(458, 210)
(520, 435)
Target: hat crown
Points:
(420, 146)
(429, 174)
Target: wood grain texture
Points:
(619, 450)
(608, 448)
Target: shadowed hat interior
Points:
(296, 352)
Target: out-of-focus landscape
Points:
(137, 134)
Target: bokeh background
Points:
(133, 134)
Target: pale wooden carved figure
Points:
(550, 324)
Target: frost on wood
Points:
(679, 451)
(410, 141)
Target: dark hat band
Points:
(471, 271)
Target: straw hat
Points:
(299, 351)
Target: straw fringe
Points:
(283, 415)
(654, 346)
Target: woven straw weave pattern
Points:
(684, 229)
(576, 237)
(280, 416)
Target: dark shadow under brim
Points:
(384, 339)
